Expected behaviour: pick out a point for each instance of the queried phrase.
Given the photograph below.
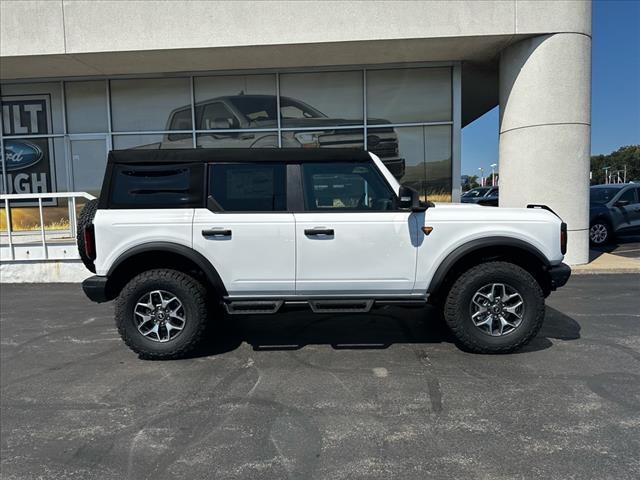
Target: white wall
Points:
(81, 26)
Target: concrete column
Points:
(545, 130)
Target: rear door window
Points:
(157, 186)
(249, 187)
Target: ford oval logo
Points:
(21, 154)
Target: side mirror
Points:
(410, 200)
(621, 203)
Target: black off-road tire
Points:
(85, 219)
(457, 308)
(189, 291)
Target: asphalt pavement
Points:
(300, 396)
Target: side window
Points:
(181, 120)
(629, 195)
(345, 187)
(216, 116)
(249, 187)
(157, 186)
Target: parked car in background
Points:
(236, 112)
(614, 209)
(482, 196)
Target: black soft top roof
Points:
(206, 155)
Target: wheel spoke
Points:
(170, 326)
(153, 330)
(159, 315)
(497, 291)
(497, 309)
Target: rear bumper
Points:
(95, 288)
(559, 275)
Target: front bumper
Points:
(95, 288)
(559, 275)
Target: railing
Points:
(46, 254)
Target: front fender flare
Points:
(494, 241)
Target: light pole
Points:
(481, 176)
(493, 174)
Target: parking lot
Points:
(624, 246)
(376, 396)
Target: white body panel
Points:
(373, 252)
(119, 230)
(457, 224)
(258, 258)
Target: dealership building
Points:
(398, 78)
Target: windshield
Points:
(602, 195)
(261, 108)
(476, 192)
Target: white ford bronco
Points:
(178, 234)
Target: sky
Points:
(615, 89)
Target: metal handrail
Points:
(7, 198)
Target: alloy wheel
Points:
(497, 309)
(159, 316)
(598, 233)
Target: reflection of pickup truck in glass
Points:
(257, 112)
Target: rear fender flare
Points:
(197, 258)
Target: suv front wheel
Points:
(494, 307)
(162, 314)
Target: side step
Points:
(252, 307)
(317, 305)
(341, 306)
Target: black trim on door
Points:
(295, 198)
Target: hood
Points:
(474, 212)
(330, 122)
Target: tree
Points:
(472, 182)
(628, 155)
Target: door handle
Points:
(216, 232)
(310, 232)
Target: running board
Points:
(317, 305)
(252, 307)
(341, 306)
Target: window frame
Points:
(394, 197)
(231, 113)
(110, 183)
(208, 188)
(634, 192)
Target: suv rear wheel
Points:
(162, 314)
(494, 307)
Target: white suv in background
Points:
(178, 232)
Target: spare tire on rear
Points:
(85, 219)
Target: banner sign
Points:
(29, 162)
